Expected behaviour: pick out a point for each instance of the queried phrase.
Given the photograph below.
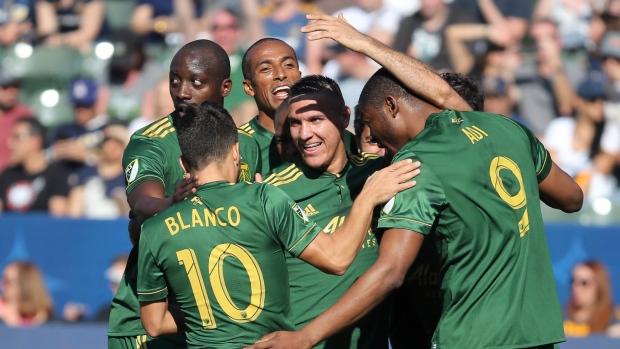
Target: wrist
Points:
(311, 337)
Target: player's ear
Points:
(391, 105)
(247, 87)
(226, 87)
(236, 155)
(346, 116)
(184, 164)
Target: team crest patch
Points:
(387, 208)
(300, 212)
(131, 171)
(244, 174)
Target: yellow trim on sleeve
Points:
(405, 219)
(544, 163)
(302, 237)
(154, 292)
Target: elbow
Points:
(575, 203)
(338, 267)
(151, 328)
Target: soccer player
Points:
(184, 250)
(270, 67)
(199, 72)
(478, 199)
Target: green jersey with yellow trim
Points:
(227, 302)
(327, 199)
(153, 154)
(269, 156)
(477, 195)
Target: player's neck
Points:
(214, 173)
(266, 121)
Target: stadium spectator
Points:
(157, 104)
(166, 22)
(423, 35)
(72, 23)
(25, 300)
(10, 111)
(16, 21)
(590, 309)
(32, 183)
(499, 99)
(74, 143)
(224, 28)
(113, 274)
(100, 190)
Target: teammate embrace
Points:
(225, 262)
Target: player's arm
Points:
(397, 251)
(157, 319)
(334, 253)
(414, 74)
(560, 191)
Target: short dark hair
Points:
(358, 122)
(246, 64)
(205, 133)
(35, 127)
(467, 87)
(213, 54)
(381, 84)
(311, 84)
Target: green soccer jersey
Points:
(477, 195)
(153, 155)
(227, 302)
(327, 199)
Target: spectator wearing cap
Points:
(10, 111)
(75, 143)
(585, 145)
(499, 98)
(100, 189)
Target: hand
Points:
(282, 340)
(186, 187)
(383, 185)
(324, 26)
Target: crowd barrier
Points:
(74, 254)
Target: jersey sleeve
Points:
(540, 155)
(251, 162)
(416, 208)
(143, 161)
(151, 281)
(287, 221)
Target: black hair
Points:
(35, 127)
(358, 123)
(213, 55)
(381, 84)
(206, 133)
(246, 62)
(467, 87)
(311, 84)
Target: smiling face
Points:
(317, 125)
(192, 80)
(273, 69)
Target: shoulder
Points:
(284, 174)
(366, 160)
(157, 129)
(247, 128)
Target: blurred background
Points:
(77, 77)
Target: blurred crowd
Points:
(553, 65)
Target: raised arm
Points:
(416, 75)
(397, 251)
(334, 253)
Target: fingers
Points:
(258, 178)
(186, 187)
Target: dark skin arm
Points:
(397, 251)
(560, 191)
(148, 199)
(159, 318)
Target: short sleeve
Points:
(251, 162)
(540, 155)
(416, 208)
(288, 221)
(151, 281)
(143, 161)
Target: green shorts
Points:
(146, 342)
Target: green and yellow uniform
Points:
(327, 199)
(227, 302)
(153, 154)
(270, 158)
(477, 196)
